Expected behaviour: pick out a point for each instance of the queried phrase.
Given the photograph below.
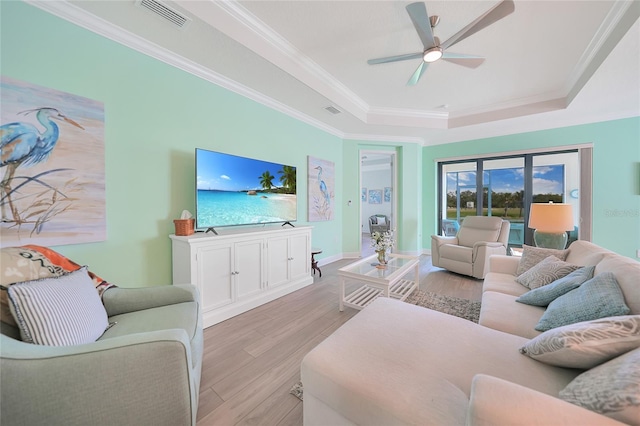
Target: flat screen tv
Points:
(233, 190)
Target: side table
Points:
(314, 262)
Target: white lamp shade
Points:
(551, 217)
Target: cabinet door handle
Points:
(237, 273)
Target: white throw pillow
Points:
(585, 344)
(531, 256)
(545, 272)
(58, 311)
(382, 220)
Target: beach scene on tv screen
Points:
(234, 190)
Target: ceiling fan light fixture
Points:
(432, 54)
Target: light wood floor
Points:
(251, 361)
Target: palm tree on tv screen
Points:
(288, 178)
(266, 180)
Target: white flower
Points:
(382, 241)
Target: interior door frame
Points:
(394, 193)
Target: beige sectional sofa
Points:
(396, 363)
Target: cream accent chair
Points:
(468, 252)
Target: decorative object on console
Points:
(321, 189)
(551, 222)
(185, 226)
(381, 242)
(50, 196)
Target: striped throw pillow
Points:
(59, 311)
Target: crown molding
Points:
(620, 18)
(88, 21)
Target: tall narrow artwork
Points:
(52, 166)
(321, 187)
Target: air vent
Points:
(333, 110)
(165, 12)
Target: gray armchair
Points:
(379, 223)
(144, 370)
(468, 252)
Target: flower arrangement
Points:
(382, 241)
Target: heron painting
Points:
(321, 187)
(52, 188)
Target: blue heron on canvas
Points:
(23, 145)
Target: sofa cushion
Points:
(503, 283)
(544, 295)
(586, 344)
(547, 271)
(597, 298)
(627, 272)
(531, 256)
(501, 312)
(58, 311)
(612, 389)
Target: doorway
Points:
(378, 195)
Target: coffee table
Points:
(388, 281)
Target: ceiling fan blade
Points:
(395, 58)
(420, 18)
(473, 62)
(498, 12)
(451, 55)
(417, 74)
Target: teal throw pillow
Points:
(599, 297)
(544, 295)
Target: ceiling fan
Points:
(433, 49)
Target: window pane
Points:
(460, 195)
(503, 194)
(556, 177)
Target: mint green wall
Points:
(155, 116)
(408, 186)
(616, 175)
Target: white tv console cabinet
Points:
(239, 270)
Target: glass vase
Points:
(382, 257)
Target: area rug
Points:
(463, 308)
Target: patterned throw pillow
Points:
(58, 311)
(531, 256)
(544, 295)
(545, 272)
(585, 344)
(612, 389)
(19, 264)
(600, 297)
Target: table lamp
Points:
(551, 222)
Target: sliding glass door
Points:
(505, 187)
